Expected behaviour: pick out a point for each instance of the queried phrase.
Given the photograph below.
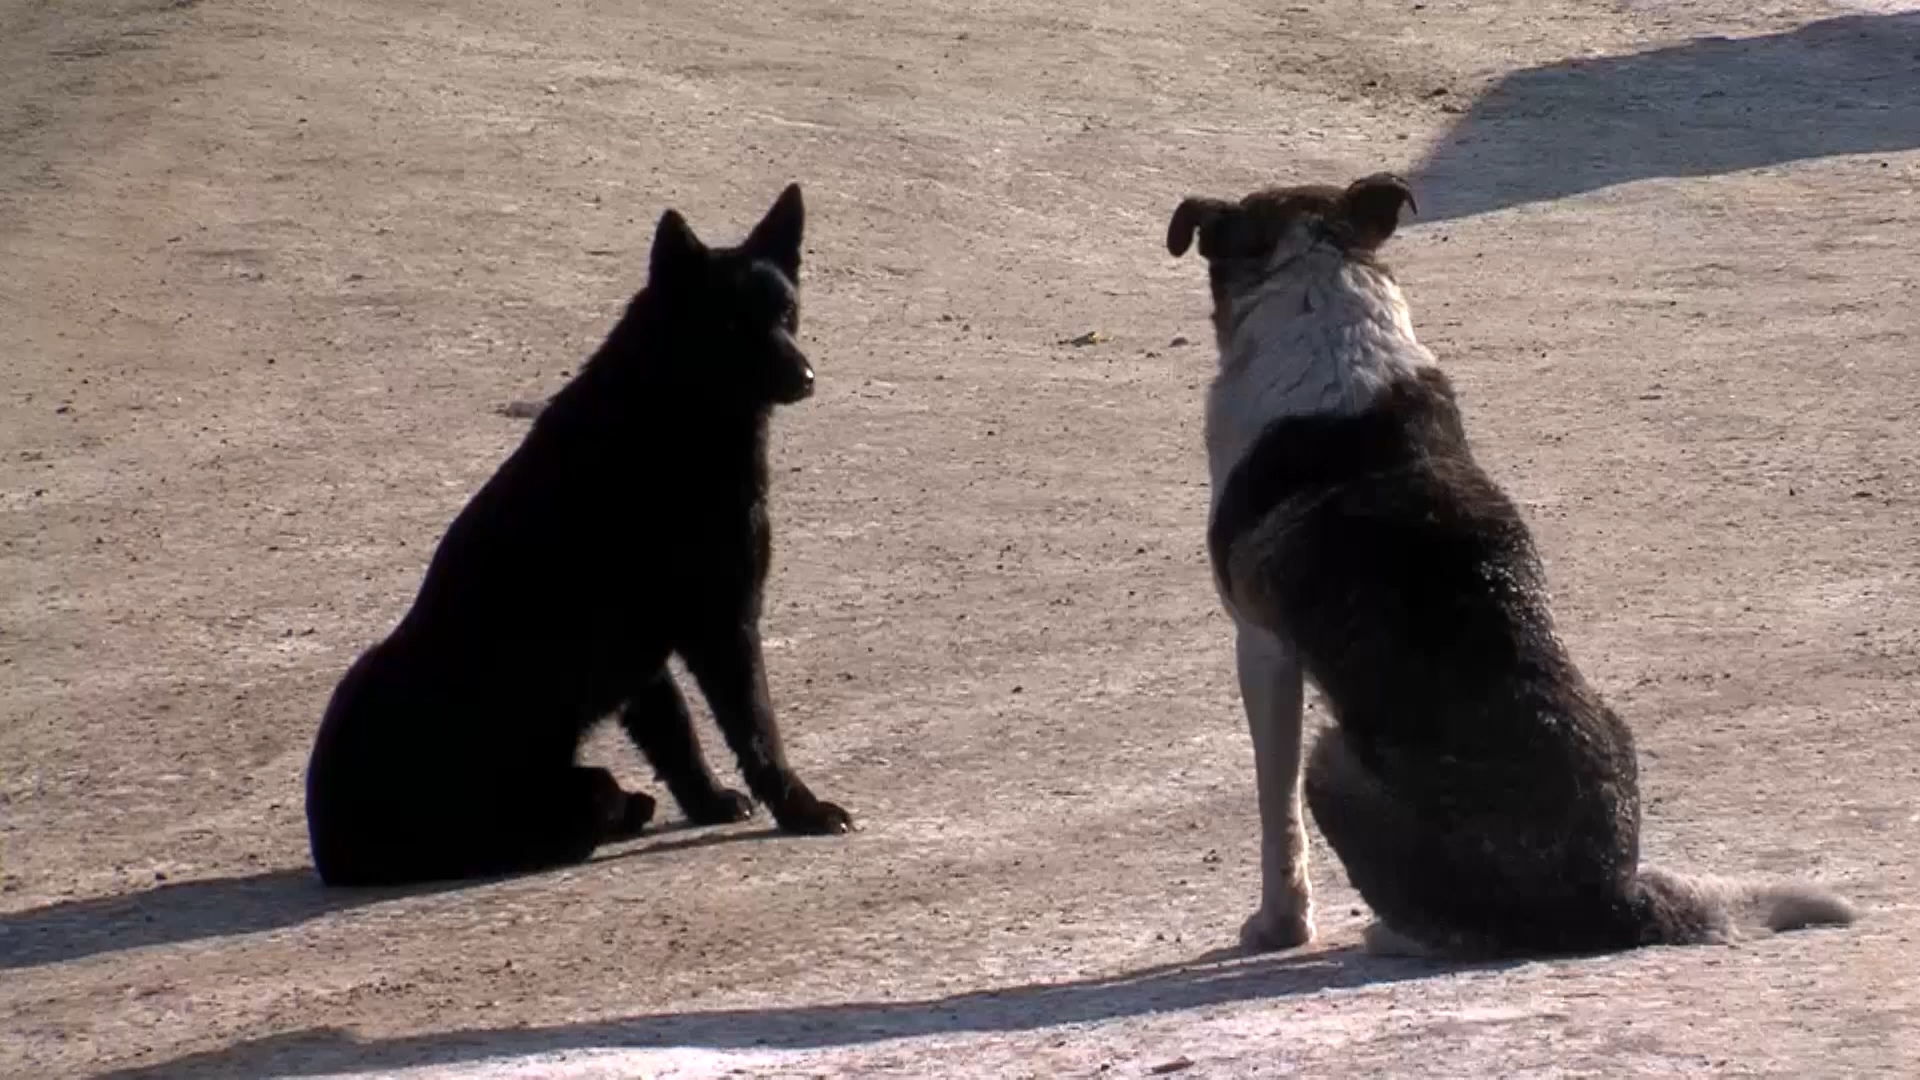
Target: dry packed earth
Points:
(274, 275)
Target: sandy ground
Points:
(269, 271)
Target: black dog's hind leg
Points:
(731, 670)
(553, 821)
(657, 721)
(621, 814)
(512, 825)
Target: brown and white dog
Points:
(1481, 796)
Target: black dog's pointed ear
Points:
(674, 247)
(1370, 208)
(777, 238)
(1190, 217)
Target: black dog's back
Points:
(628, 526)
(529, 627)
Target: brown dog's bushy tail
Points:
(1681, 910)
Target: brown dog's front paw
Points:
(815, 818)
(1264, 932)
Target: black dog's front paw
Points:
(724, 807)
(813, 817)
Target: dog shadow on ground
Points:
(1847, 85)
(223, 907)
(1216, 979)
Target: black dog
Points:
(631, 525)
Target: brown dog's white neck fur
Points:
(1321, 334)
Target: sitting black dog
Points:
(631, 525)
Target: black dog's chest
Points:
(719, 552)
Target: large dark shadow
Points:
(1193, 985)
(222, 907)
(183, 911)
(1849, 85)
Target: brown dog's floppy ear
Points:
(1370, 208)
(1191, 216)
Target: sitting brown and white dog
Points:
(1481, 796)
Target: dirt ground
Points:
(270, 272)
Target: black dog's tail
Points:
(1685, 910)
